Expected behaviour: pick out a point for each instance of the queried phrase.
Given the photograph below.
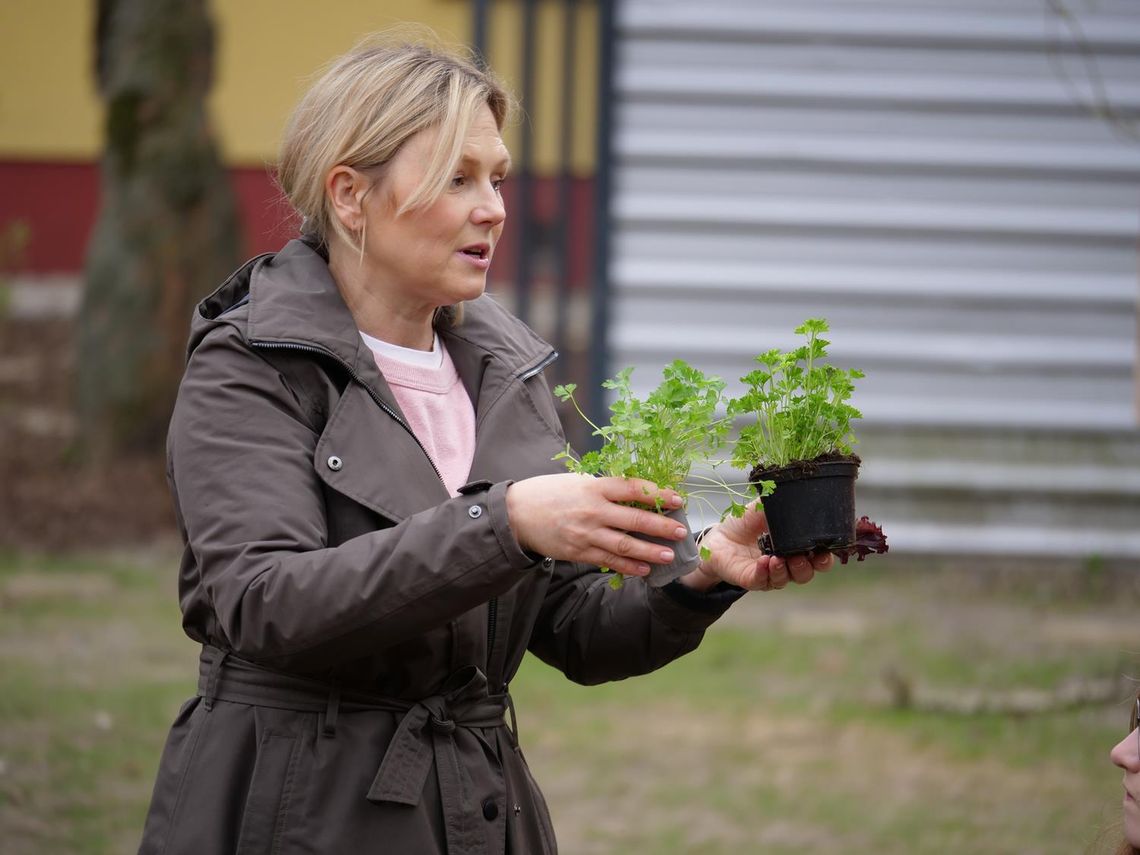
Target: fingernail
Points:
(666, 555)
(643, 569)
(676, 501)
(679, 531)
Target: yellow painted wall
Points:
(267, 49)
(48, 104)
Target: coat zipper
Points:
(492, 618)
(527, 373)
(288, 345)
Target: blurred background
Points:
(953, 184)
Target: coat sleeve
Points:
(251, 507)
(594, 633)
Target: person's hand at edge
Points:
(572, 517)
(735, 557)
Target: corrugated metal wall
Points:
(931, 176)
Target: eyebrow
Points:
(504, 164)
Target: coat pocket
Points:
(270, 793)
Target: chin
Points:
(470, 292)
(1132, 832)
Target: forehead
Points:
(482, 142)
(483, 138)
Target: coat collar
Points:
(294, 300)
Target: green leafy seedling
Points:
(659, 438)
(798, 406)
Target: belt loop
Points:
(212, 679)
(328, 729)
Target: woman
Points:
(375, 532)
(1126, 755)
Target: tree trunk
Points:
(167, 232)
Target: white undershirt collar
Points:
(408, 355)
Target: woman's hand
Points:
(574, 517)
(736, 558)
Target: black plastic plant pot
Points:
(812, 508)
(686, 554)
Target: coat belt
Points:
(425, 734)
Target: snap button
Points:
(335, 463)
(490, 810)
(547, 563)
(475, 511)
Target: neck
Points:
(376, 310)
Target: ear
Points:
(346, 188)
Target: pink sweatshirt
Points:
(437, 408)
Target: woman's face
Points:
(437, 255)
(1126, 755)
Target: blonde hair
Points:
(366, 105)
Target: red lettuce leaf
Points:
(869, 538)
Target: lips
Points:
(477, 250)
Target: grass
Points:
(93, 667)
(775, 736)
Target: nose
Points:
(1126, 754)
(490, 209)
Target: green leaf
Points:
(812, 325)
(706, 553)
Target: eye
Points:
(458, 181)
(498, 184)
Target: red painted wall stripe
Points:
(57, 202)
(60, 201)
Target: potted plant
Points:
(658, 439)
(798, 445)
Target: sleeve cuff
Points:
(496, 500)
(714, 601)
(684, 610)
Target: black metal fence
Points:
(547, 250)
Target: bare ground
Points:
(48, 499)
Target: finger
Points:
(631, 548)
(617, 563)
(755, 515)
(822, 561)
(748, 527)
(646, 522)
(760, 578)
(638, 490)
(800, 569)
(778, 572)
